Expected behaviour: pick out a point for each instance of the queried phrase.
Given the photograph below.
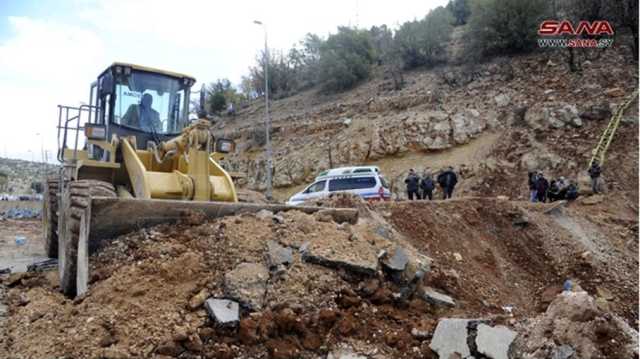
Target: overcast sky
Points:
(51, 50)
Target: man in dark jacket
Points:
(553, 193)
(412, 181)
(572, 192)
(541, 186)
(594, 173)
(427, 186)
(447, 180)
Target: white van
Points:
(365, 181)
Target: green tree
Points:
(504, 26)
(423, 42)
(382, 42)
(460, 10)
(281, 75)
(219, 93)
(345, 59)
(304, 61)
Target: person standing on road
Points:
(533, 186)
(447, 180)
(542, 185)
(427, 186)
(412, 181)
(594, 173)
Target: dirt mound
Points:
(493, 254)
(147, 289)
(375, 288)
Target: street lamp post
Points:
(267, 118)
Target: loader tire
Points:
(50, 217)
(78, 197)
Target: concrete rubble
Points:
(450, 338)
(278, 255)
(223, 311)
(471, 338)
(494, 342)
(247, 283)
(398, 261)
(358, 257)
(434, 297)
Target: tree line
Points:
(345, 58)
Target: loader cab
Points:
(147, 103)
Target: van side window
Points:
(343, 184)
(316, 187)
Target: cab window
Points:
(150, 102)
(316, 187)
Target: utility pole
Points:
(267, 118)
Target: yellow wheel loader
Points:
(130, 159)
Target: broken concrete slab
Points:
(494, 342)
(331, 259)
(358, 256)
(247, 283)
(223, 311)
(278, 255)
(450, 338)
(434, 297)
(397, 261)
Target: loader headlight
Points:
(224, 145)
(95, 132)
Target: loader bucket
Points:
(106, 218)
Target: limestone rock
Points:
(502, 100)
(247, 284)
(466, 125)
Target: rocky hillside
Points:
(466, 116)
(20, 175)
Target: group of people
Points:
(541, 190)
(423, 187)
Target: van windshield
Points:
(343, 184)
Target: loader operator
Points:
(143, 116)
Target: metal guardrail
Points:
(607, 136)
(70, 119)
